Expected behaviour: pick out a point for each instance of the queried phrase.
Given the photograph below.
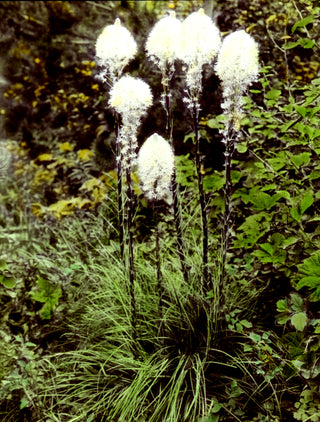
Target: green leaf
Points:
(245, 323)
(306, 202)
(306, 42)
(268, 248)
(235, 176)
(309, 281)
(302, 23)
(253, 228)
(295, 213)
(242, 147)
(23, 403)
(216, 408)
(309, 274)
(299, 321)
(273, 94)
(47, 293)
(301, 110)
(8, 282)
(296, 302)
(3, 265)
(302, 42)
(264, 201)
(282, 305)
(300, 160)
(279, 161)
(213, 182)
(283, 318)
(255, 337)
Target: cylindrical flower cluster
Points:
(130, 97)
(156, 168)
(237, 67)
(201, 44)
(164, 41)
(115, 47)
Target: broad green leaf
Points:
(299, 321)
(309, 275)
(290, 44)
(282, 305)
(308, 281)
(246, 323)
(279, 161)
(303, 22)
(283, 318)
(235, 176)
(3, 265)
(300, 160)
(301, 42)
(255, 337)
(273, 94)
(306, 202)
(262, 201)
(311, 265)
(290, 241)
(8, 282)
(47, 293)
(295, 213)
(24, 402)
(268, 248)
(242, 147)
(301, 110)
(253, 228)
(296, 302)
(306, 42)
(213, 182)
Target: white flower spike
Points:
(165, 40)
(201, 39)
(237, 63)
(201, 44)
(130, 97)
(156, 168)
(237, 67)
(115, 47)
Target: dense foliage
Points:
(67, 349)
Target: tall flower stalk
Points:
(237, 67)
(156, 169)
(200, 45)
(130, 97)
(163, 46)
(115, 48)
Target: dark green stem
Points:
(119, 187)
(176, 204)
(230, 139)
(205, 279)
(159, 273)
(130, 252)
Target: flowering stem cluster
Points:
(196, 42)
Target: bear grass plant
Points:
(149, 344)
(198, 354)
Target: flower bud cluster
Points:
(130, 97)
(201, 44)
(165, 41)
(156, 168)
(115, 47)
(237, 66)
